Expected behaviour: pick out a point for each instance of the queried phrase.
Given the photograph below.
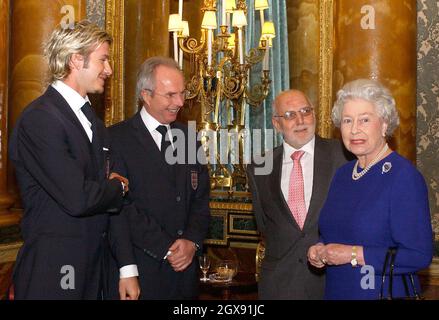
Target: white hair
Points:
(371, 91)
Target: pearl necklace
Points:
(357, 175)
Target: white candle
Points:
(180, 58)
(223, 14)
(175, 46)
(209, 47)
(180, 8)
(228, 20)
(266, 64)
(240, 48)
(262, 18)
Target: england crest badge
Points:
(194, 179)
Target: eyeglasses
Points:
(291, 115)
(171, 95)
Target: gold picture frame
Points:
(326, 54)
(114, 93)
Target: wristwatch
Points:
(354, 261)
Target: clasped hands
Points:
(320, 254)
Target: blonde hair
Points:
(82, 39)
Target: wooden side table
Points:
(242, 287)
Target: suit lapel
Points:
(321, 174)
(275, 184)
(180, 170)
(98, 144)
(66, 111)
(145, 138)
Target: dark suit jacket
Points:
(65, 195)
(164, 207)
(285, 272)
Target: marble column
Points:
(6, 200)
(146, 35)
(32, 21)
(377, 39)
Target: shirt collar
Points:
(73, 98)
(308, 148)
(150, 122)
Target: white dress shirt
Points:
(307, 163)
(75, 101)
(151, 124)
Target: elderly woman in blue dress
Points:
(375, 202)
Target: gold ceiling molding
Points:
(114, 93)
(326, 67)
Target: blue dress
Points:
(388, 206)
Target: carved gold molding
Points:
(239, 206)
(114, 93)
(325, 68)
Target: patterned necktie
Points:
(296, 192)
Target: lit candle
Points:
(209, 47)
(228, 20)
(223, 14)
(267, 56)
(180, 58)
(240, 48)
(180, 8)
(261, 12)
(175, 46)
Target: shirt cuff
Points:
(128, 271)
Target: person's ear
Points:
(146, 96)
(384, 128)
(77, 61)
(276, 124)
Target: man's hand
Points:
(129, 288)
(315, 257)
(182, 253)
(124, 180)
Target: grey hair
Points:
(146, 74)
(371, 91)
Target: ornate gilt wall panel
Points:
(114, 98)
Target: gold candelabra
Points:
(219, 81)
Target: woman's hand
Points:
(336, 254)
